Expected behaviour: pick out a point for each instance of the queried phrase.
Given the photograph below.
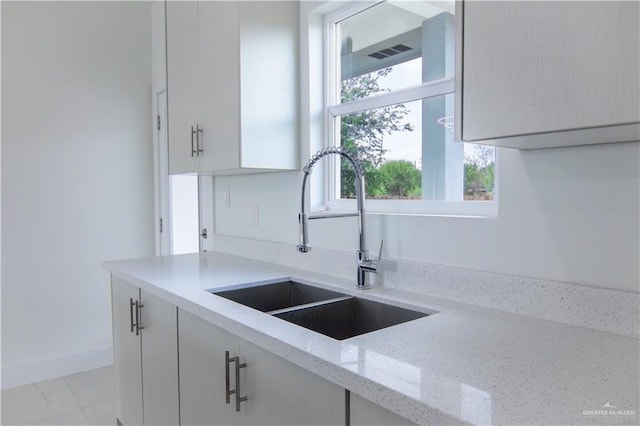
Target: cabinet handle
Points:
(198, 133)
(236, 391)
(131, 313)
(239, 398)
(193, 150)
(139, 307)
(228, 361)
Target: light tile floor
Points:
(86, 398)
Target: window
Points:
(390, 102)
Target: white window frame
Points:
(333, 109)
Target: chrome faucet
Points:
(365, 265)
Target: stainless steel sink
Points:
(278, 296)
(343, 319)
(328, 312)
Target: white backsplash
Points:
(596, 308)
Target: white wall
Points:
(566, 214)
(77, 184)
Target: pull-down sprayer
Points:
(365, 265)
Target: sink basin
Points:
(328, 312)
(278, 296)
(342, 319)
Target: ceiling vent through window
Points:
(385, 53)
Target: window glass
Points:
(394, 51)
(389, 144)
(404, 37)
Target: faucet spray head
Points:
(303, 219)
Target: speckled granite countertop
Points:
(464, 364)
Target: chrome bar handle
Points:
(239, 398)
(228, 361)
(193, 151)
(131, 313)
(331, 215)
(198, 133)
(139, 307)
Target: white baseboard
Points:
(50, 368)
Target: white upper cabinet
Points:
(182, 84)
(537, 74)
(232, 75)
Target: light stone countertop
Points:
(464, 364)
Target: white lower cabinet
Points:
(145, 339)
(127, 355)
(365, 413)
(173, 368)
(276, 391)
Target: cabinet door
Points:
(366, 413)
(202, 373)
(281, 393)
(126, 354)
(269, 63)
(219, 85)
(182, 84)
(532, 67)
(159, 361)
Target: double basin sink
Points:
(328, 312)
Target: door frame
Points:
(162, 218)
